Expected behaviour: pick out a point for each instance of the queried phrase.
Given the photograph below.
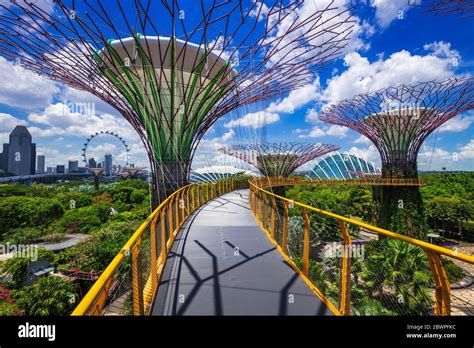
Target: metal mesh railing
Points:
(129, 284)
(359, 269)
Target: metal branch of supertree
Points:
(172, 67)
(461, 8)
(278, 159)
(398, 119)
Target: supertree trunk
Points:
(400, 208)
(167, 178)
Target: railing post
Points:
(284, 238)
(198, 194)
(188, 211)
(176, 208)
(137, 288)
(306, 239)
(272, 219)
(164, 249)
(170, 218)
(182, 207)
(345, 305)
(193, 203)
(259, 206)
(153, 253)
(264, 215)
(442, 285)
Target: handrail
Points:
(170, 214)
(417, 242)
(260, 197)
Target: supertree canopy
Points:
(278, 159)
(397, 120)
(172, 67)
(462, 8)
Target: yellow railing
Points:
(130, 282)
(383, 276)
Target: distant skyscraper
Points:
(92, 163)
(40, 165)
(50, 170)
(108, 164)
(19, 155)
(60, 169)
(73, 166)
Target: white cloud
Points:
(24, 89)
(401, 67)
(255, 120)
(370, 153)
(467, 152)
(228, 135)
(362, 140)
(388, 10)
(8, 122)
(458, 123)
(297, 98)
(61, 121)
(335, 131)
(443, 50)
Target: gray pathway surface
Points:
(223, 264)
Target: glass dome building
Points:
(215, 173)
(343, 166)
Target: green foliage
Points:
(403, 268)
(24, 235)
(453, 272)
(39, 190)
(19, 211)
(49, 296)
(7, 190)
(369, 306)
(74, 199)
(96, 253)
(82, 220)
(138, 196)
(16, 268)
(133, 183)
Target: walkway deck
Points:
(223, 264)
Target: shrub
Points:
(138, 196)
(16, 268)
(25, 235)
(48, 296)
(96, 253)
(28, 212)
(7, 304)
(80, 199)
(82, 220)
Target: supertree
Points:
(462, 8)
(397, 120)
(278, 159)
(171, 67)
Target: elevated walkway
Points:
(222, 263)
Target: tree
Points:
(397, 274)
(28, 212)
(16, 267)
(48, 296)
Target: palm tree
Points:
(397, 274)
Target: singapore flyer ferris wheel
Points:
(106, 146)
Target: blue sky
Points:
(393, 44)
